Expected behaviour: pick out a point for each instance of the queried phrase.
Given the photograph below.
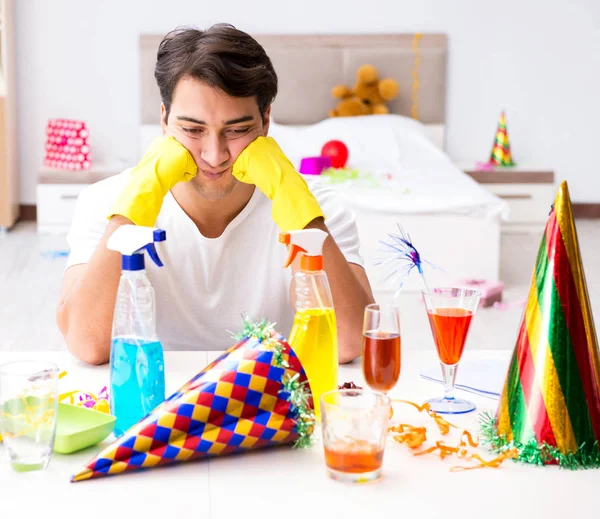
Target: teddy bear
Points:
(368, 95)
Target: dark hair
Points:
(221, 56)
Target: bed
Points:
(403, 175)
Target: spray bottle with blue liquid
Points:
(137, 372)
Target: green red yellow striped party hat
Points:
(550, 406)
(501, 155)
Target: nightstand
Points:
(57, 192)
(529, 191)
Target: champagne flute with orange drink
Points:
(381, 347)
(450, 311)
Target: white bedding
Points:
(401, 171)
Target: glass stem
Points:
(449, 373)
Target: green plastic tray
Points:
(80, 427)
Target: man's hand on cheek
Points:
(166, 163)
(264, 164)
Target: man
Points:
(223, 191)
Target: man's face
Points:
(215, 128)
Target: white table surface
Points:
(288, 483)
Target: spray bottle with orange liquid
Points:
(314, 333)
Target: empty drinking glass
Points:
(28, 412)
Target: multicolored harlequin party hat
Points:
(253, 396)
(550, 406)
(501, 154)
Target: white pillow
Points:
(373, 141)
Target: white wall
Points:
(538, 59)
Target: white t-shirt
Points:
(206, 284)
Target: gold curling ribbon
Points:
(472, 442)
(410, 435)
(416, 84)
(441, 446)
(415, 437)
(443, 425)
(493, 463)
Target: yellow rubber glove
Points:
(264, 164)
(166, 163)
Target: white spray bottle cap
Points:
(309, 242)
(132, 241)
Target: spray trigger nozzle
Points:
(132, 241)
(309, 242)
(151, 249)
(286, 239)
(294, 250)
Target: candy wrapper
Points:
(253, 396)
(549, 408)
(99, 403)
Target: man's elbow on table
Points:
(349, 339)
(349, 353)
(83, 344)
(347, 359)
(88, 349)
(88, 352)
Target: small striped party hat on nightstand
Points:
(549, 409)
(255, 395)
(501, 154)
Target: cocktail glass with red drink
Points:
(450, 311)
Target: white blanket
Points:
(400, 170)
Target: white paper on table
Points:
(482, 377)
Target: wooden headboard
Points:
(308, 66)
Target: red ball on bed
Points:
(337, 151)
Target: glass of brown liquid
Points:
(354, 425)
(381, 347)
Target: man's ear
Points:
(163, 118)
(266, 121)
